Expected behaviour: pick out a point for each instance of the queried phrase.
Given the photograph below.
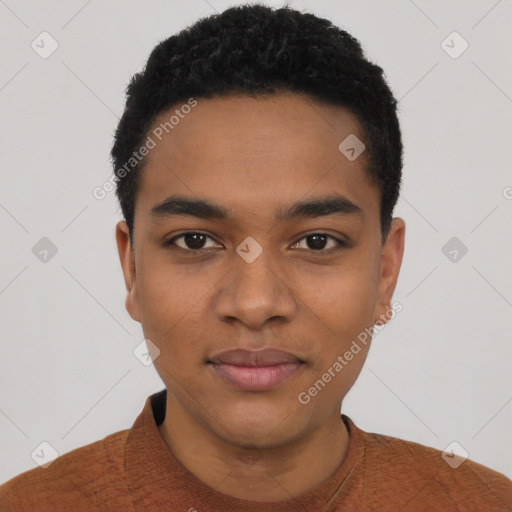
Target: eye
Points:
(190, 241)
(319, 242)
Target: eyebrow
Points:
(203, 209)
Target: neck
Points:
(265, 474)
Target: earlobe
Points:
(382, 316)
(127, 259)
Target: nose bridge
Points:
(255, 291)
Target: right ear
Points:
(127, 258)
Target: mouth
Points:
(260, 370)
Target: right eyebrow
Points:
(179, 205)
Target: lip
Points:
(254, 358)
(251, 370)
(256, 378)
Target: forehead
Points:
(254, 154)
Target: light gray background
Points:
(439, 372)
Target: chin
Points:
(259, 426)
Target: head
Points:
(259, 213)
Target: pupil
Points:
(192, 240)
(317, 238)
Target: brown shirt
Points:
(134, 470)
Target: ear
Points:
(127, 258)
(391, 260)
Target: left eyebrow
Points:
(320, 207)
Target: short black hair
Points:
(256, 50)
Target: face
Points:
(287, 254)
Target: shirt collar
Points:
(156, 479)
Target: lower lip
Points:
(250, 378)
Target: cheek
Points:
(352, 310)
(172, 304)
(339, 307)
(342, 300)
(166, 291)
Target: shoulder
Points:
(72, 481)
(446, 482)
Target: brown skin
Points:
(252, 156)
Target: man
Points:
(258, 163)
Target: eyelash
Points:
(169, 243)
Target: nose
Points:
(256, 293)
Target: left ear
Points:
(391, 260)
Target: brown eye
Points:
(319, 242)
(190, 241)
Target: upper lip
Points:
(265, 357)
